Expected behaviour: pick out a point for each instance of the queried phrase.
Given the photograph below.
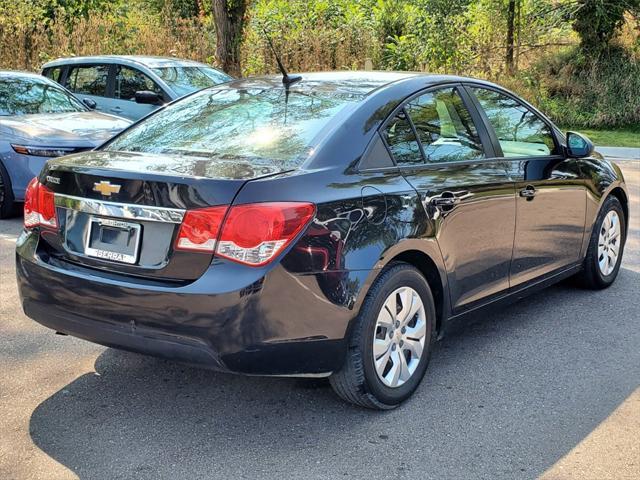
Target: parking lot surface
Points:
(548, 387)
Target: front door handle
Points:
(116, 109)
(446, 199)
(528, 192)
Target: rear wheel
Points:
(6, 194)
(391, 342)
(604, 255)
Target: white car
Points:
(131, 86)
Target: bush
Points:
(578, 92)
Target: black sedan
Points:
(329, 227)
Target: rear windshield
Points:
(30, 95)
(184, 80)
(232, 124)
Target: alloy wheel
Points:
(400, 335)
(609, 243)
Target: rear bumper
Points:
(273, 323)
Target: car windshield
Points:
(184, 80)
(30, 95)
(237, 124)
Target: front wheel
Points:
(604, 254)
(391, 341)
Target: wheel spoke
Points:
(392, 306)
(414, 346)
(418, 331)
(405, 374)
(406, 301)
(381, 363)
(394, 373)
(385, 319)
(604, 264)
(380, 346)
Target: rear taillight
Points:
(39, 206)
(252, 234)
(200, 228)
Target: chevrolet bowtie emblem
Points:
(106, 188)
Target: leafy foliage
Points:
(577, 59)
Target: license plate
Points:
(113, 240)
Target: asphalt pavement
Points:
(547, 387)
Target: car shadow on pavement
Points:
(506, 396)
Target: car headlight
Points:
(42, 151)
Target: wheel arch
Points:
(426, 257)
(431, 273)
(621, 195)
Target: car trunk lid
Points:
(120, 212)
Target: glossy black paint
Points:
(294, 315)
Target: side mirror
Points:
(91, 105)
(578, 145)
(147, 97)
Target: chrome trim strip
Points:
(119, 210)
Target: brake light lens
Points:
(200, 228)
(39, 206)
(252, 234)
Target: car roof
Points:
(15, 74)
(357, 82)
(140, 60)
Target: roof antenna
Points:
(287, 79)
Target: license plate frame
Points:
(129, 257)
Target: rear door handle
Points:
(528, 192)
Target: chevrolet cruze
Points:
(326, 226)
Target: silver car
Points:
(131, 86)
(39, 120)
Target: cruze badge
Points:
(105, 188)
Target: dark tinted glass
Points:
(30, 95)
(402, 141)
(129, 81)
(230, 124)
(444, 127)
(521, 132)
(53, 73)
(90, 80)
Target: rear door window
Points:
(402, 141)
(444, 127)
(128, 81)
(520, 131)
(53, 73)
(88, 79)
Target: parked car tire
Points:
(606, 246)
(383, 376)
(6, 194)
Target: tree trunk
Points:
(229, 20)
(511, 14)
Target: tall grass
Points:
(27, 45)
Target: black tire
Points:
(7, 203)
(591, 276)
(357, 382)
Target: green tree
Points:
(596, 22)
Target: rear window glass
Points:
(230, 124)
(31, 95)
(184, 80)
